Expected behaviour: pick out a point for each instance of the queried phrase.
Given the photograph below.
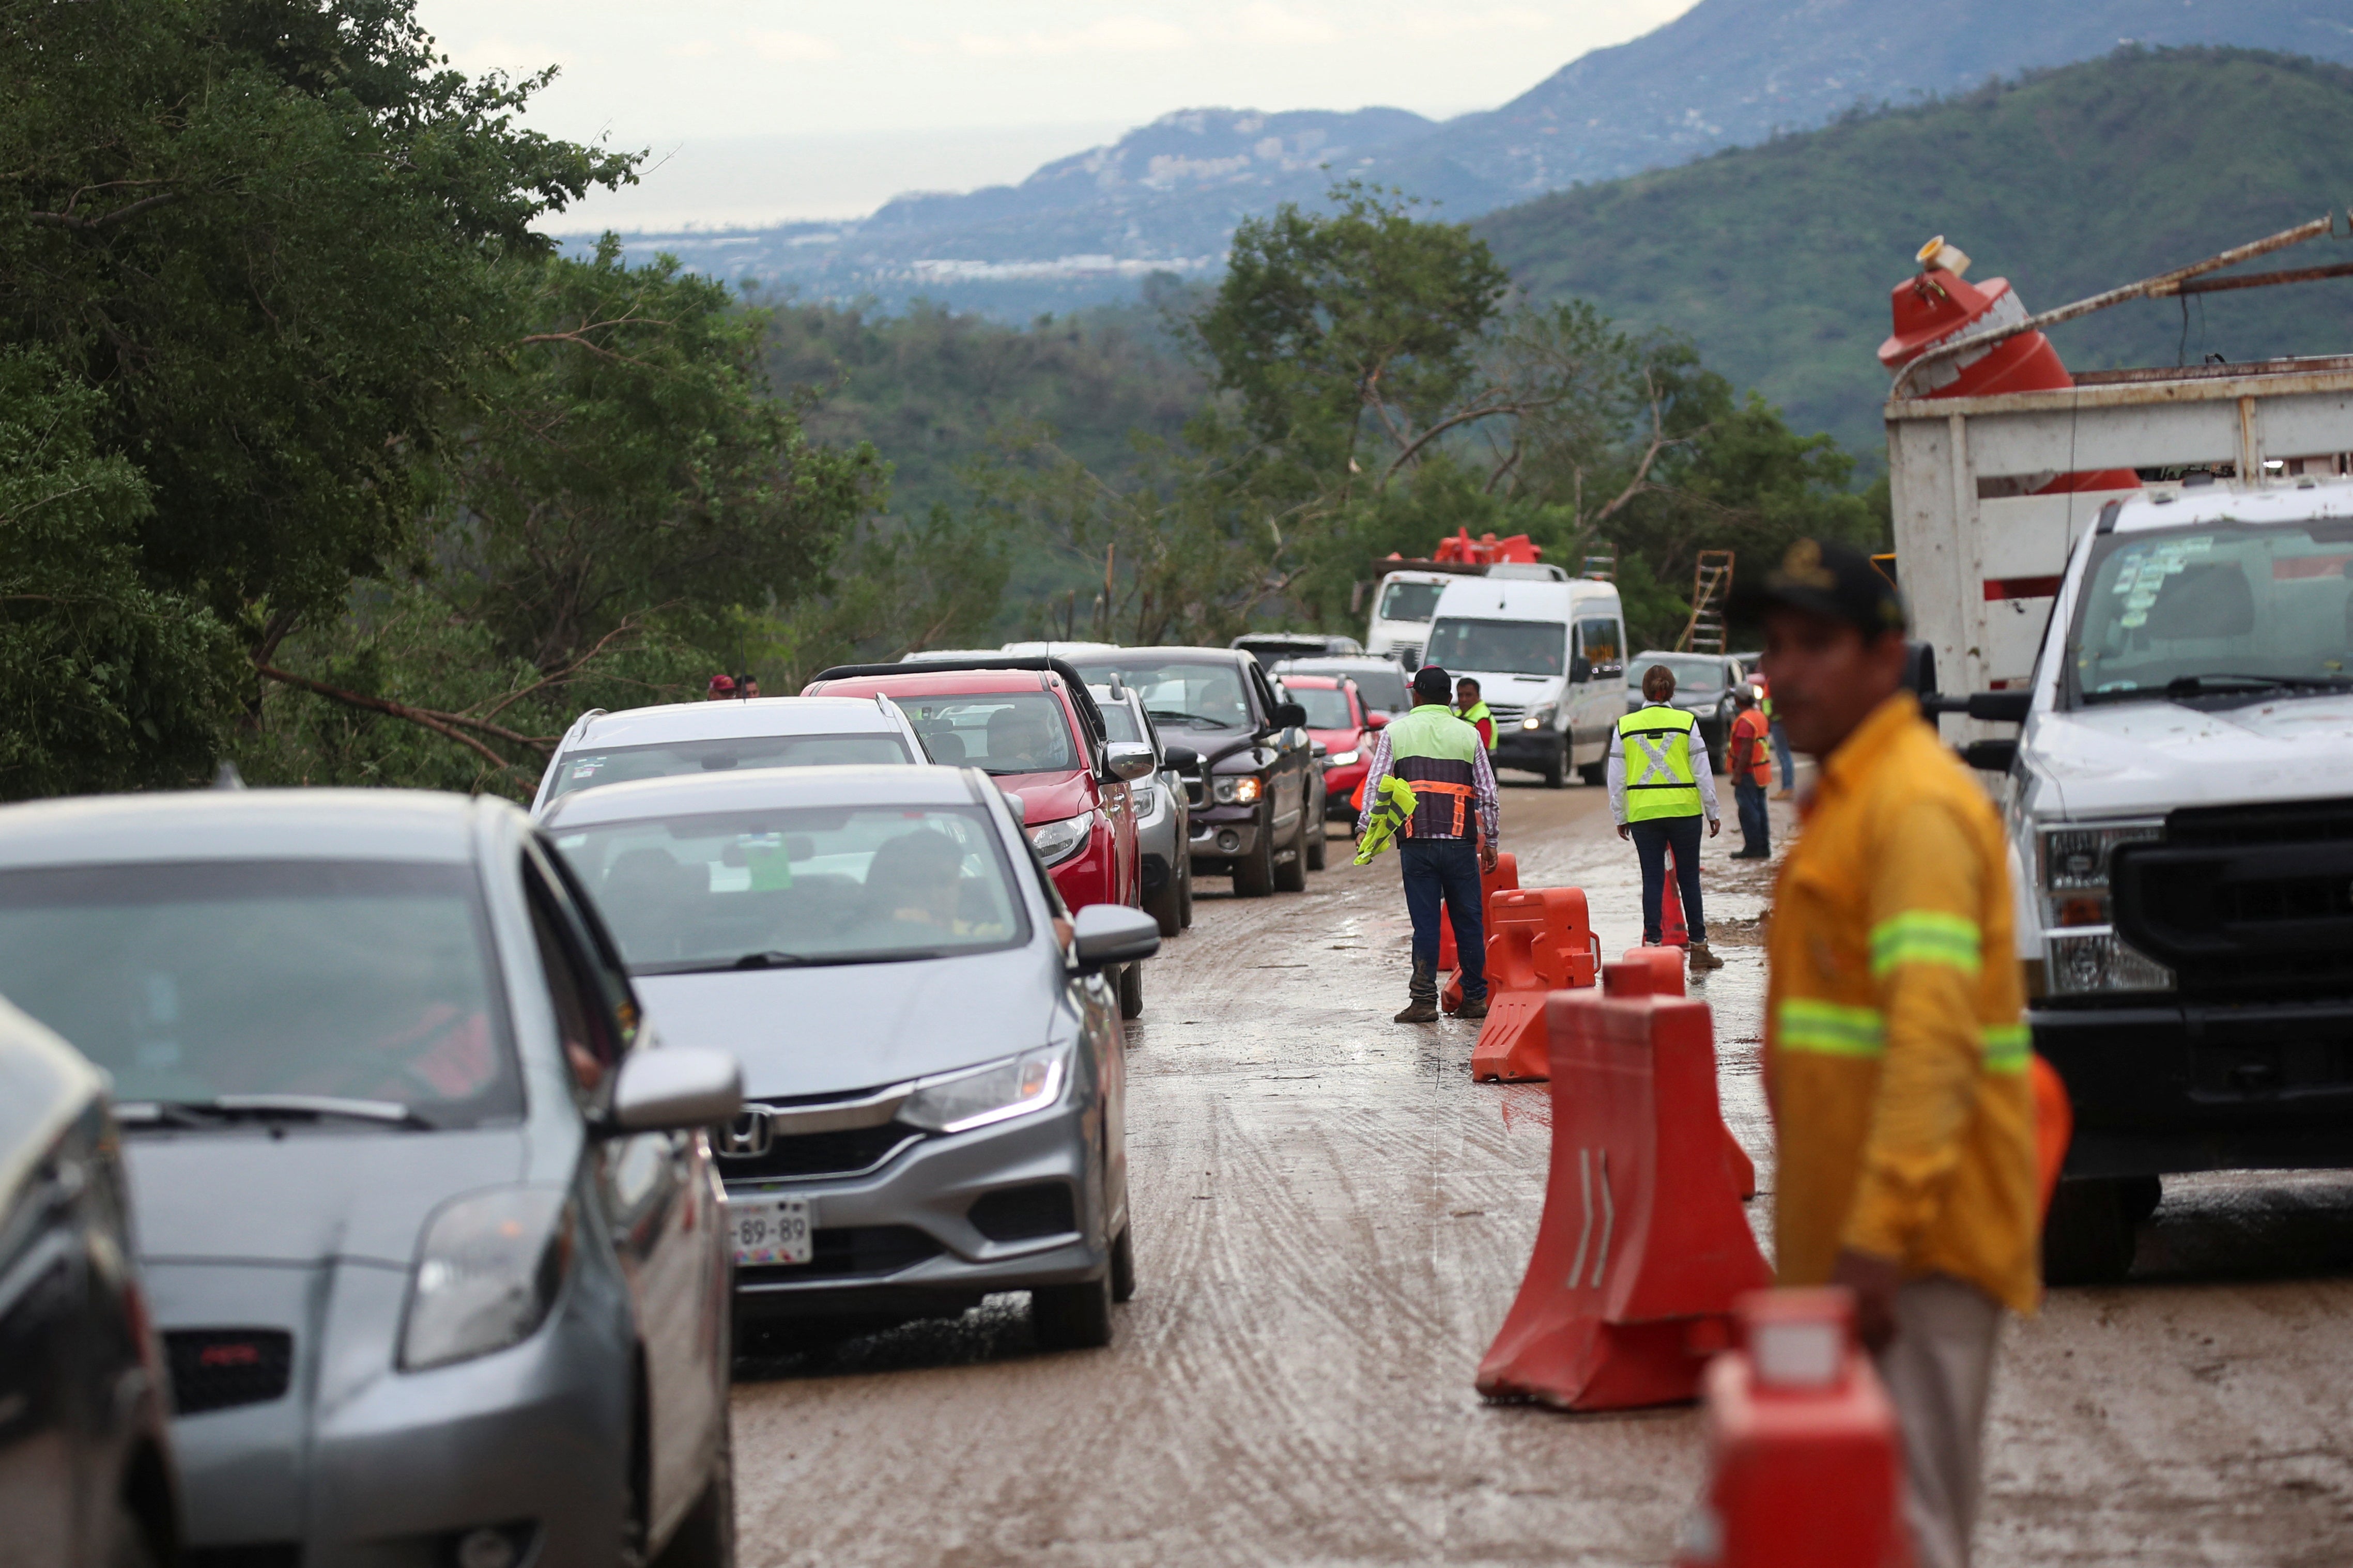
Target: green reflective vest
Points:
(1656, 743)
(1432, 731)
(1476, 712)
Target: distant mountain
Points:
(1165, 198)
(1777, 260)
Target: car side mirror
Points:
(1290, 716)
(673, 1089)
(1183, 759)
(1128, 759)
(1321, 750)
(1377, 720)
(1013, 803)
(1105, 934)
(1580, 669)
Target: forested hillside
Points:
(1777, 260)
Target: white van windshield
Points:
(1410, 601)
(1499, 647)
(2221, 610)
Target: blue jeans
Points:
(1782, 755)
(1755, 831)
(1445, 869)
(1651, 840)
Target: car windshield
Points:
(1119, 719)
(809, 885)
(366, 981)
(1410, 601)
(1691, 674)
(590, 766)
(1186, 693)
(1380, 683)
(1500, 647)
(2225, 610)
(1327, 706)
(1002, 732)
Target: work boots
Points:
(1421, 991)
(1703, 959)
(1474, 1009)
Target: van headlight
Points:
(489, 1266)
(1540, 717)
(1017, 1086)
(1058, 841)
(2084, 955)
(1341, 759)
(1233, 790)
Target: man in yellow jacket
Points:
(1895, 1054)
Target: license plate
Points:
(770, 1230)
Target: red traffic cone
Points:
(1673, 932)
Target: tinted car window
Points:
(1184, 693)
(588, 767)
(1599, 639)
(1327, 707)
(361, 980)
(817, 885)
(1507, 648)
(1003, 731)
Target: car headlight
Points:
(1058, 841)
(1341, 759)
(2085, 956)
(1017, 1086)
(488, 1271)
(1143, 799)
(1236, 791)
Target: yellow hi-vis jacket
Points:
(1395, 810)
(1656, 742)
(1895, 1056)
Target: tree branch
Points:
(105, 220)
(418, 716)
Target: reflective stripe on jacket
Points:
(1657, 742)
(1896, 1054)
(1436, 752)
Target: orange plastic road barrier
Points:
(2054, 1125)
(1643, 1246)
(1539, 940)
(1805, 1460)
(1667, 980)
(1506, 876)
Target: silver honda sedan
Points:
(428, 1220)
(932, 1054)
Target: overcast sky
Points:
(765, 110)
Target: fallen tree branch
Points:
(443, 724)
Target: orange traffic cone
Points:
(1673, 931)
(1667, 980)
(1643, 1246)
(1540, 941)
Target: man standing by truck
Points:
(1895, 1056)
(1659, 784)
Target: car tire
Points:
(1290, 876)
(1167, 906)
(2088, 1236)
(1316, 852)
(705, 1538)
(1595, 773)
(1556, 770)
(1185, 897)
(1131, 991)
(1072, 1317)
(1254, 872)
(1122, 1265)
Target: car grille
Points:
(214, 1369)
(849, 1252)
(850, 1152)
(2245, 904)
(1407, 654)
(1505, 714)
(1019, 1214)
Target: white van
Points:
(1549, 657)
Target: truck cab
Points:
(1548, 655)
(1401, 611)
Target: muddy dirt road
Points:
(1330, 1221)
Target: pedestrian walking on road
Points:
(1472, 708)
(1659, 798)
(1751, 771)
(1895, 1058)
(1449, 840)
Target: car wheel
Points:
(1254, 872)
(1316, 851)
(1185, 898)
(705, 1538)
(1131, 991)
(1168, 906)
(1595, 773)
(2087, 1237)
(1072, 1317)
(1290, 876)
(1122, 1265)
(1555, 768)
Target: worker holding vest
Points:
(1659, 787)
(1446, 841)
(1472, 708)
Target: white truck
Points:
(2178, 662)
(1407, 597)
(1549, 656)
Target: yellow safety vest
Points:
(1472, 714)
(1656, 743)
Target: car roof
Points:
(244, 824)
(1326, 663)
(1174, 653)
(920, 682)
(1311, 681)
(734, 719)
(2227, 500)
(750, 789)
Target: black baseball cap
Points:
(1433, 683)
(1828, 577)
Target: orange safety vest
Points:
(1749, 735)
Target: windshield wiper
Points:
(2192, 685)
(268, 1108)
(771, 959)
(1201, 720)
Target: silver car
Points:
(427, 1221)
(932, 1054)
(604, 748)
(1163, 811)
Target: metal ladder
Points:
(1711, 588)
(1601, 563)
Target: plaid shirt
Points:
(1482, 786)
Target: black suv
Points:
(1257, 799)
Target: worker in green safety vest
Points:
(1447, 837)
(1660, 786)
(1472, 708)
